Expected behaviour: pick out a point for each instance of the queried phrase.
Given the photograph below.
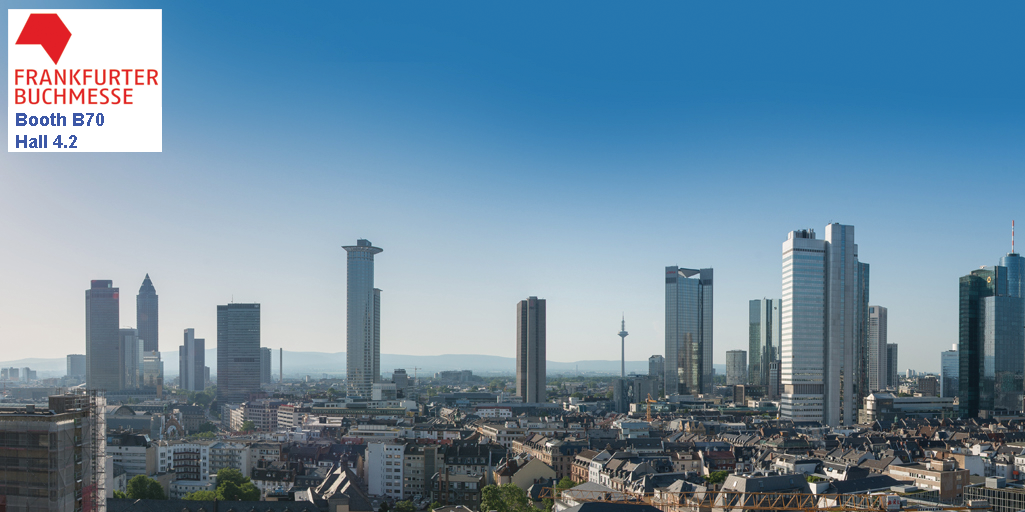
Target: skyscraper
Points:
(265, 359)
(147, 316)
(657, 371)
(991, 343)
(891, 365)
(763, 339)
(877, 377)
(861, 332)
(822, 297)
(76, 365)
(363, 320)
(530, 350)
(192, 362)
(102, 322)
(688, 331)
(949, 368)
(130, 358)
(736, 367)
(238, 352)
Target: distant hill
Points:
(316, 364)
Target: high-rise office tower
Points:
(991, 343)
(877, 377)
(861, 332)
(530, 350)
(238, 352)
(363, 320)
(891, 366)
(657, 371)
(736, 367)
(688, 331)
(76, 365)
(820, 316)
(102, 323)
(763, 339)
(130, 358)
(265, 359)
(775, 387)
(192, 362)
(949, 370)
(147, 318)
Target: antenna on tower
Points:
(1012, 236)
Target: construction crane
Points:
(738, 501)
(649, 401)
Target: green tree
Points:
(565, 483)
(383, 507)
(248, 426)
(436, 504)
(206, 427)
(504, 498)
(203, 496)
(232, 485)
(405, 506)
(142, 487)
(119, 495)
(716, 477)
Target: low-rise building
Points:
(935, 475)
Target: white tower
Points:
(622, 339)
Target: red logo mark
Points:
(48, 31)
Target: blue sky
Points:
(497, 151)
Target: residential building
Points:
(949, 367)
(192, 362)
(736, 367)
(688, 331)
(190, 462)
(238, 352)
(929, 385)
(76, 365)
(822, 297)
(763, 339)
(52, 456)
(877, 378)
(991, 343)
(102, 323)
(530, 350)
(229, 454)
(263, 413)
(383, 468)
(457, 490)
(147, 318)
(134, 452)
(363, 320)
(891, 366)
(935, 475)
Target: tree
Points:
(232, 485)
(405, 506)
(119, 495)
(716, 477)
(206, 427)
(142, 487)
(203, 496)
(504, 498)
(248, 426)
(565, 483)
(436, 504)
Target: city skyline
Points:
(588, 134)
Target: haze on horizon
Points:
(496, 154)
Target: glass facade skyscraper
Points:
(147, 316)
(991, 342)
(102, 339)
(238, 352)
(877, 367)
(763, 339)
(688, 331)
(192, 362)
(130, 358)
(949, 373)
(363, 320)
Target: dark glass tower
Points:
(688, 331)
(991, 343)
(146, 316)
(238, 352)
(102, 337)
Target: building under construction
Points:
(53, 459)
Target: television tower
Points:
(622, 339)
